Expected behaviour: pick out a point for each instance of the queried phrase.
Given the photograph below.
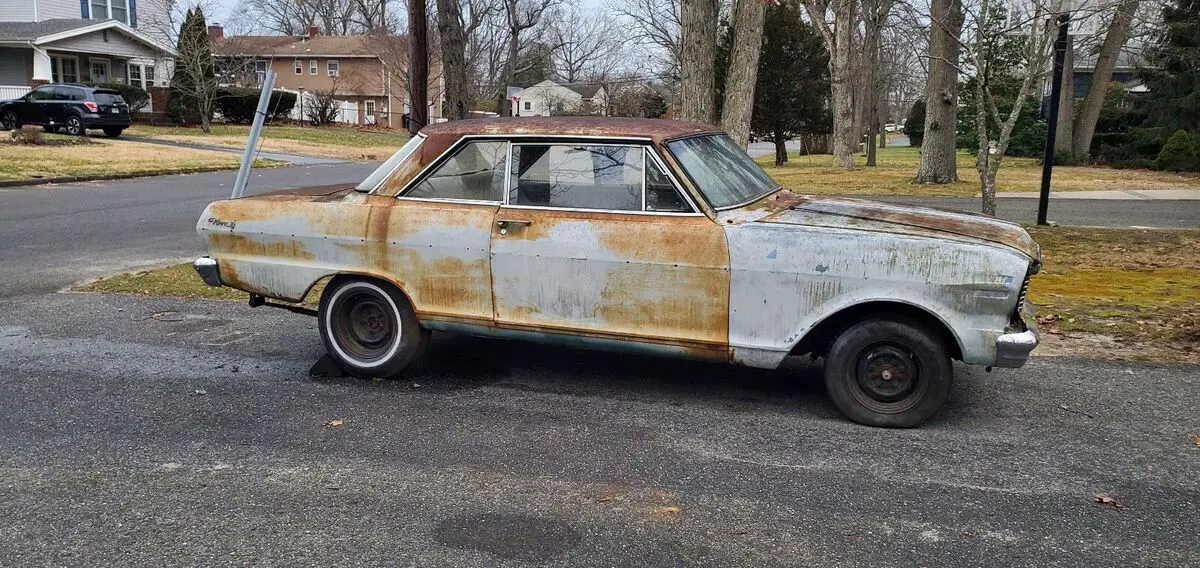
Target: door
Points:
(37, 103)
(434, 238)
(99, 69)
(597, 240)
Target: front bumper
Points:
(1013, 349)
(207, 269)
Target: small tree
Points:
(322, 108)
(1178, 154)
(194, 84)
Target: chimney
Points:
(313, 31)
(216, 32)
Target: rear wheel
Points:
(74, 126)
(888, 371)
(112, 132)
(369, 328)
(9, 120)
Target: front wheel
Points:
(74, 126)
(889, 372)
(369, 328)
(9, 120)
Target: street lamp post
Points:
(1060, 55)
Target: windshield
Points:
(385, 169)
(721, 170)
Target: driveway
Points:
(152, 432)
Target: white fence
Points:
(12, 91)
(345, 111)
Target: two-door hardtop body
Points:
(652, 236)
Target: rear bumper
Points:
(1013, 349)
(103, 120)
(207, 269)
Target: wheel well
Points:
(820, 337)
(324, 282)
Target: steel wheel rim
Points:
(364, 325)
(887, 377)
(10, 120)
(74, 126)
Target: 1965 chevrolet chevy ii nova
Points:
(645, 236)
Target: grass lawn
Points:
(331, 141)
(105, 157)
(897, 165)
(1139, 290)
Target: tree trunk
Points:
(1106, 60)
(743, 70)
(938, 158)
(454, 59)
(845, 139)
(1066, 102)
(987, 185)
(780, 148)
(418, 66)
(698, 52)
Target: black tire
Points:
(10, 121)
(74, 126)
(113, 132)
(889, 371)
(369, 328)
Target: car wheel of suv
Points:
(113, 132)
(889, 372)
(9, 120)
(74, 126)
(369, 328)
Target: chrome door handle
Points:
(507, 222)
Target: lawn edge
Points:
(105, 177)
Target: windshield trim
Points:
(391, 171)
(700, 192)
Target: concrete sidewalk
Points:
(1127, 194)
(294, 159)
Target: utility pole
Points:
(1060, 55)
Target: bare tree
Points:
(418, 66)
(586, 44)
(874, 15)
(998, 29)
(698, 53)
(837, 21)
(322, 106)
(1106, 61)
(939, 160)
(743, 69)
(453, 41)
(656, 25)
(519, 16)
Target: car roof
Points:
(654, 129)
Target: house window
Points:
(105, 9)
(370, 108)
(141, 75)
(332, 67)
(64, 69)
(149, 73)
(299, 65)
(526, 105)
(260, 70)
(312, 66)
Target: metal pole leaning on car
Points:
(1060, 53)
(260, 114)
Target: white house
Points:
(549, 99)
(81, 41)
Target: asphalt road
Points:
(138, 432)
(166, 432)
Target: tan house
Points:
(354, 67)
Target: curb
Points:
(106, 177)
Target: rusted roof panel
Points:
(658, 130)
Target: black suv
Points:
(73, 108)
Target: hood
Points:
(838, 212)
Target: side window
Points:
(660, 192)
(62, 93)
(475, 172)
(577, 177)
(42, 94)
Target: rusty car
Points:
(636, 235)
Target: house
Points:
(82, 41)
(549, 98)
(354, 67)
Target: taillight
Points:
(91, 106)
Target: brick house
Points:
(353, 66)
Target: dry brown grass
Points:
(104, 157)
(897, 165)
(330, 142)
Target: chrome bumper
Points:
(1013, 349)
(207, 269)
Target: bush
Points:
(1178, 154)
(914, 124)
(1028, 142)
(238, 104)
(179, 110)
(1138, 148)
(136, 97)
(29, 135)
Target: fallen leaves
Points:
(1049, 324)
(666, 510)
(1196, 439)
(1106, 499)
(335, 423)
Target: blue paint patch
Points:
(774, 253)
(821, 268)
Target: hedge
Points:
(136, 97)
(238, 104)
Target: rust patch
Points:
(241, 245)
(657, 130)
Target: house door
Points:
(100, 70)
(595, 240)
